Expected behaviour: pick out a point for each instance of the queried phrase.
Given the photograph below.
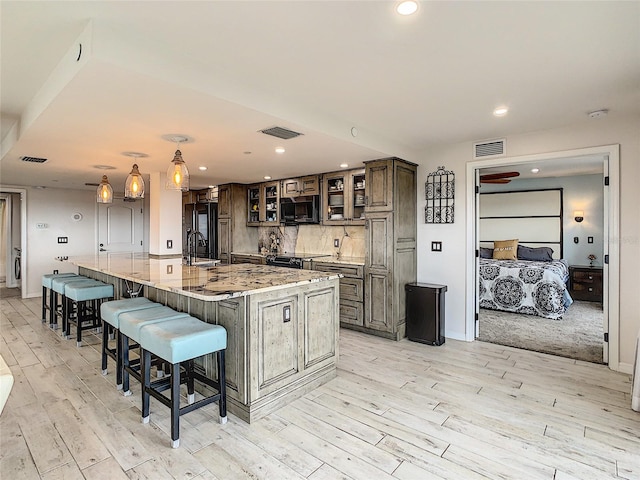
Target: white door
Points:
(120, 226)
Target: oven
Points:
(285, 261)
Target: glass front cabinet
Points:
(263, 200)
(344, 198)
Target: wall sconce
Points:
(177, 174)
(134, 185)
(104, 192)
(578, 215)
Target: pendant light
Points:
(134, 186)
(177, 173)
(104, 192)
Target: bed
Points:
(525, 274)
(525, 286)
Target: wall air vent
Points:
(34, 159)
(280, 132)
(492, 148)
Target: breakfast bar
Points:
(282, 324)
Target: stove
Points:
(291, 260)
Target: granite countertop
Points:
(211, 283)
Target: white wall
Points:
(55, 207)
(580, 192)
(449, 266)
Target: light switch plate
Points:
(436, 246)
(169, 243)
(589, 239)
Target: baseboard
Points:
(625, 368)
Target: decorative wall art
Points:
(440, 193)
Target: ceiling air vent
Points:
(280, 132)
(34, 159)
(493, 148)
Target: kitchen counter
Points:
(341, 260)
(282, 324)
(209, 283)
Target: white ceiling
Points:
(218, 71)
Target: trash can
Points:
(425, 312)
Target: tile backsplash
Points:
(304, 239)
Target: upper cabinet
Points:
(343, 199)
(263, 203)
(379, 181)
(295, 187)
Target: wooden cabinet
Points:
(390, 244)
(585, 283)
(253, 259)
(295, 187)
(263, 204)
(343, 198)
(233, 233)
(351, 290)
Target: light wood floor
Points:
(397, 410)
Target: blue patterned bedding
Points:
(521, 286)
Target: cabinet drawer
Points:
(351, 289)
(356, 271)
(247, 259)
(351, 312)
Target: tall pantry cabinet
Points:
(233, 234)
(390, 244)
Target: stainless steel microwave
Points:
(297, 210)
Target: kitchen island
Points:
(282, 324)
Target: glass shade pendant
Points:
(134, 186)
(177, 174)
(104, 192)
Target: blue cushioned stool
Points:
(58, 286)
(130, 325)
(110, 315)
(48, 292)
(84, 299)
(178, 341)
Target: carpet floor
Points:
(578, 335)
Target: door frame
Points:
(24, 272)
(611, 271)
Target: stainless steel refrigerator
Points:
(201, 217)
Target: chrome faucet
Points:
(195, 233)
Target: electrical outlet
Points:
(169, 269)
(336, 242)
(169, 244)
(436, 246)
(576, 240)
(589, 239)
(63, 239)
(286, 314)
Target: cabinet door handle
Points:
(591, 289)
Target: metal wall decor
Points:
(440, 193)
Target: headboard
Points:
(534, 217)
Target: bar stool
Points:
(58, 287)
(130, 325)
(110, 315)
(85, 298)
(176, 342)
(47, 291)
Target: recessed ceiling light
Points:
(535, 170)
(135, 154)
(279, 150)
(211, 186)
(500, 111)
(408, 7)
(267, 177)
(344, 165)
(203, 168)
(104, 167)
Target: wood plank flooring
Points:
(397, 410)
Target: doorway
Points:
(610, 159)
(13, 211)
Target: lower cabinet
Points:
(253, 259)
(351, 291)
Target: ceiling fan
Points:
(503, 177)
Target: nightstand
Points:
(585, 283)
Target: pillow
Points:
(486, 252)
(540, 254)
(505, 249)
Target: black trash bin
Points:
(425, 312)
